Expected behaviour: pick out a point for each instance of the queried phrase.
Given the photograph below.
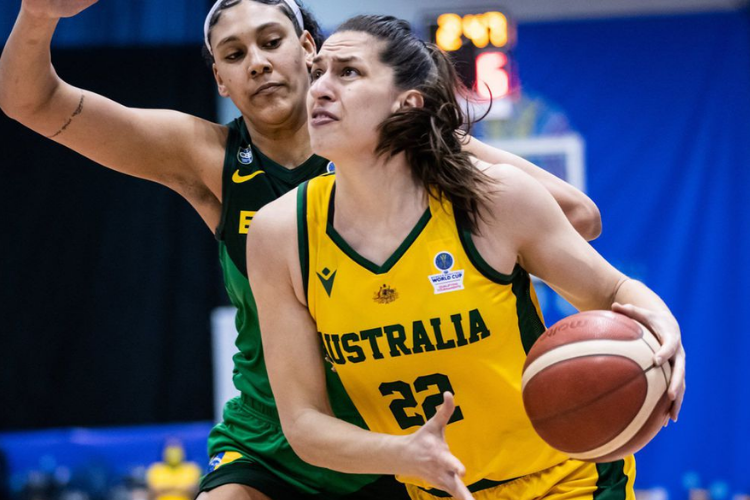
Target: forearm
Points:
(578, 208)
(634, 292)
(27, 78)
(326, 441)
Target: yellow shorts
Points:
(570, 480)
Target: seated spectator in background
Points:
(174, 478)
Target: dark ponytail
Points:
(430, 137)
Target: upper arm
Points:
(290, 341)
(550, 248)
(578, 208)
(165, 146)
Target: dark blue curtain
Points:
(120, 22)
(106, 281)
(664, 106)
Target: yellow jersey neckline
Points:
(391, 261)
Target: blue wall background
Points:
(664, 106)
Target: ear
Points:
(308, 45)
(410, 99)
(223, 92)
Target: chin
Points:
(321, 147)
(276, 114)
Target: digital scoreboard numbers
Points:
(480, 44)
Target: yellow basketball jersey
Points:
(434, 317)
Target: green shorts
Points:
(249, 448)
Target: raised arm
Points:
(582, 213)
(549, 248)
(150, 144)
(295, 366)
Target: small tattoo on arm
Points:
(67, 123)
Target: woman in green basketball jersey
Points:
(411, 276)
(260, 52)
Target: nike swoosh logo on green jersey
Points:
(239, 179)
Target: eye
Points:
(350, 72)
(233, 56)
(315, 74)
(272, 44)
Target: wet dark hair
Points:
(430, 136)
(309, 21)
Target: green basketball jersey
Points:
(250, 181)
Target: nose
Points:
(258, 63)
(322, 88)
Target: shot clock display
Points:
(480, 44)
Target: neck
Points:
(378, 193)
(288, 143)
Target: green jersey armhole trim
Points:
(464, 234)
(530, 324)
(302, 239)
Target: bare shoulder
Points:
(279, 215)
(275, 225)
(512, 188)
(272, 255)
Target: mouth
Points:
(321, 117)
(267, 88)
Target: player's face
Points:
(261, 63)
(352, 92)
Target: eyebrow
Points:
(338, 59)
(259, 29)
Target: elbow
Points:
(27, 109)
(300, 442)
(16, 111)
(303, 450)
(587, 220)
(6, 106)
(11, 106)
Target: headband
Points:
(290, 3)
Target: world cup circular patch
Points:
(443, 261)
(447, 280)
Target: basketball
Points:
(590, 387)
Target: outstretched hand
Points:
(429, 456)
(666, 329)
(55, 9)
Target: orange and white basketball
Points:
(591, 389)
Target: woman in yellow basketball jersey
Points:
(260, 52)
(410, 277)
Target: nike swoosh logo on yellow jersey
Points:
(239, 179)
